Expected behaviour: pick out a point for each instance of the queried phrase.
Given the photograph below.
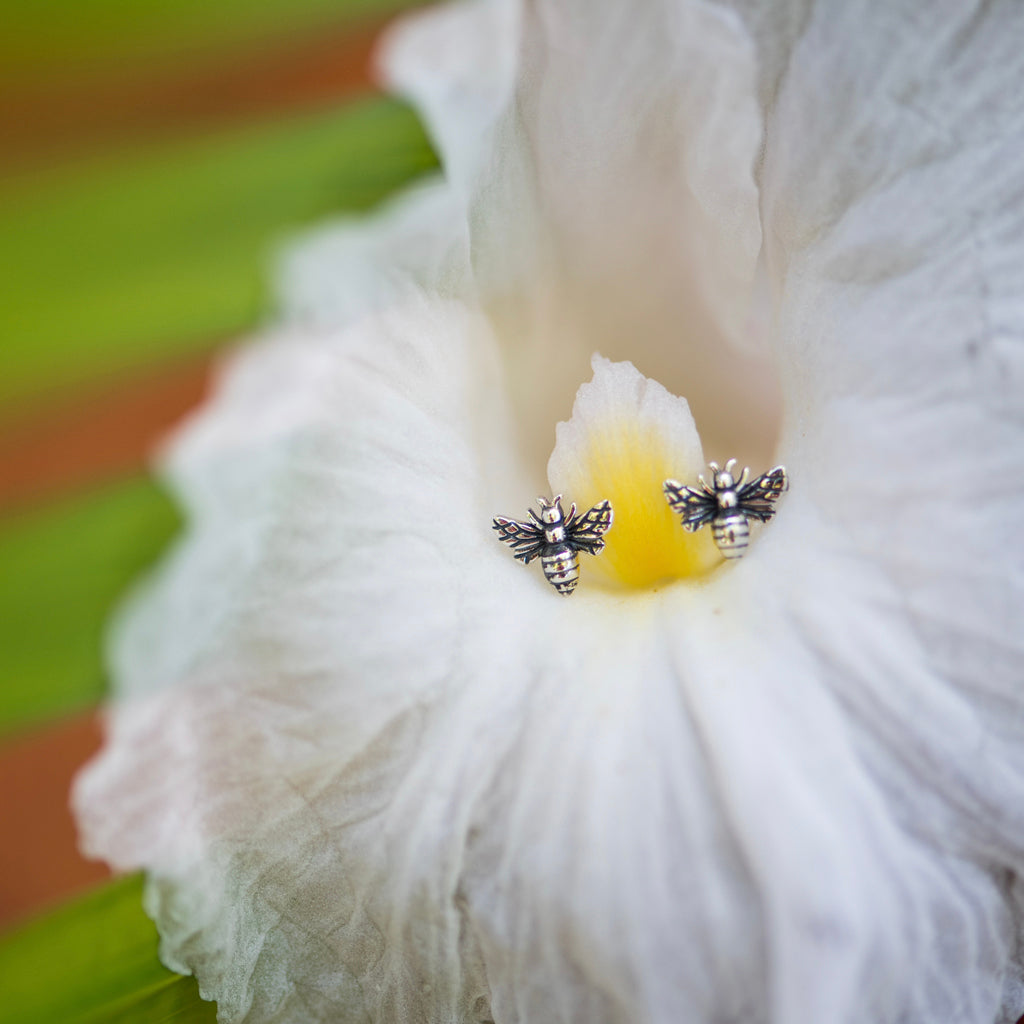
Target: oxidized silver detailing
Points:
(557, 538)
(728, 504)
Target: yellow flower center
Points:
(627, 461)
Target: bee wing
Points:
(757, 499)
(585, 532)
(695, 507)
(525, 539)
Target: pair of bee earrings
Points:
(727, 503)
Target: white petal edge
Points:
(618, 392)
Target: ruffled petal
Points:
(416, 244)
(300, 642)
(894, 215)
(571, 128)
(862, 791)
(898, 235)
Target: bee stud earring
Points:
(728, 504)
(557, 538)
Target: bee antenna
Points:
(743, 476)
(729, 465)
(543, 502)
(713, 466)
(557, 500)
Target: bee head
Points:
(551, 512)
(724, 480)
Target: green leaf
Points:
(115, 261)
(94, 961)
(63, 567)
(45, 37)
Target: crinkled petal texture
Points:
(379, 771)
(570, 128)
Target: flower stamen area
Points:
(627, 436)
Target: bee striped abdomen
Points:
(562, 568)
(732, 534)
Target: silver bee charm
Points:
(557, 538)
(728, 504)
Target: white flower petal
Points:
(903, 306)
(893, 209)
(864, 798)
(898, 235)
(361, 265)
(459, 63)
(571, 128)
(333, 448)
(619, 394)
(303, 636)
(601, 108)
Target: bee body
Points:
(728, 504)
(557, 539)
(732, 533)
(561, 567)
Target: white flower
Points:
(378, 771)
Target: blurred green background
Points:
(156, 154)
